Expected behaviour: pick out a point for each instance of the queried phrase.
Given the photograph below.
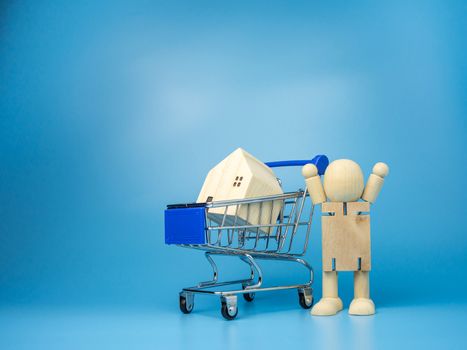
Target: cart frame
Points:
(283, 239)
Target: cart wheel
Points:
(248, 296)
(229, 313)
(305, 299)
(186, 307)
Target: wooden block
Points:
(343, 181)
(361, 284)
(335, 208)
(346, 236)
(239, 176)
(375, 182)
(372, 188)
(358, 207)
(330, 284)
(313, 184)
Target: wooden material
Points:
(330, 304)
(343, 181)
(327, 307)
(375, 182)
(313, 184)
(361, 284)
(346, 233)
(362, 307)
(346, 236)
(330, 284)
(239, 176)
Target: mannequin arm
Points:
(313, 184)
(375, 182)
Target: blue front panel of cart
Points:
(185, 226)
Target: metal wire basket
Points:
(249, 230)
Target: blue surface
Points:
(111, 110)
(185, 226)
(279, 326)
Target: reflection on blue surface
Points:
(432, 327)
(111, 110)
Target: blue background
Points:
(111, 110)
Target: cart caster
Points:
(248, 296)
(305, 297)
(229, 308)
(186, 302)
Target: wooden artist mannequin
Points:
(345, 230)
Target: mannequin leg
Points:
(330, 303)
(362, 304)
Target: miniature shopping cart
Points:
(283, 239)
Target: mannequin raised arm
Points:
(313, 183)
(375, 182)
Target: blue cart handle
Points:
(321, 162)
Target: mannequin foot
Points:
(362, 307)
(327, 307)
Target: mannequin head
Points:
(343, 181)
